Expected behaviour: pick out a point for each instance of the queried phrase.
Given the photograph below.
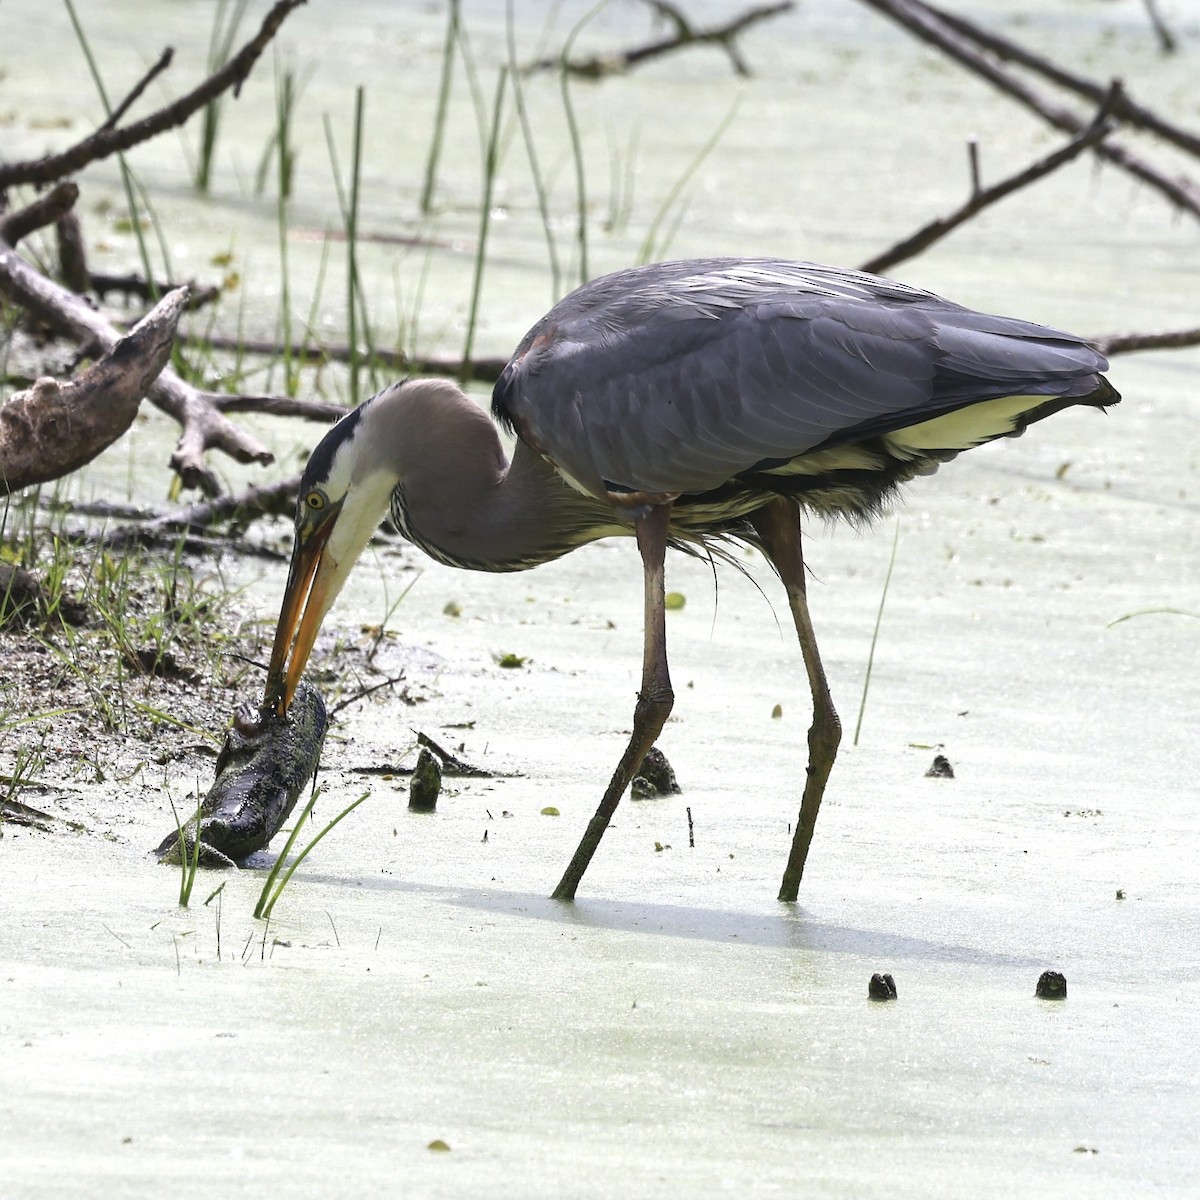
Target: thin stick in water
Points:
(862, 706)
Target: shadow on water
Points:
(790, 928)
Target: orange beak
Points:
(299, 617)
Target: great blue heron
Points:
(679, 402)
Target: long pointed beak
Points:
(299, 618)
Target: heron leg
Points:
(778, 527)
(654, 700)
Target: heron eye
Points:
(315, 501)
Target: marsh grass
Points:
(127, 178)
(348, 203)
(189, 860)
(656, 244)
(275, 883)
(25, 775)
(577, 155)
(147, 618)
(491, 159)
(540, 187)
(227, 20)
(445, 84)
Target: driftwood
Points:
(112, 138)
(684, 34)
(55, 428)
(952, 39)
(203, 425)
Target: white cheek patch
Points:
(964, 428)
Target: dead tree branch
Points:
(276, 499)
(164, 61)
(108, 140)
(1166, 39)
(1125, 343)
(478, 370)
(54, 428)
(926, 24)
(685, 34)
(132, 285)
(982, 198)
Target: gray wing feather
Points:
(679, 376)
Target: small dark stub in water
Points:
(881, 987)
(1051, 985)
(654, 777)
(941, 768)
(426, 783)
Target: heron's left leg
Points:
(778, 526)
(654, 700)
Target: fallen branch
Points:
(203, 426)
(1125, 343)
(685, 34)
(276, 499)
(133, 286)
(164, 61)
(478, 370)
(109, 140)
(982, 198)
(54, 428)
(927, 24)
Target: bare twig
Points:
(1124, 343)
(132, 284)
(928, 25)
(276, 499)
(54, 428)
(684, 35)
(164, 61)
(478, 370)
(72, 257)
(982, 198)
(278, 406)
(107, 141)
(45, 210)
(1166, 39)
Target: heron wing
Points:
(681, 376)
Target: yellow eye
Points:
(315, 501)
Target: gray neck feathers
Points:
(458, 498)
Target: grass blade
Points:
(862, 706)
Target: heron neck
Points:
(491, 515)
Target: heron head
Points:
(344, 494)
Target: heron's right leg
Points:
(778, 525)
(654, 700)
